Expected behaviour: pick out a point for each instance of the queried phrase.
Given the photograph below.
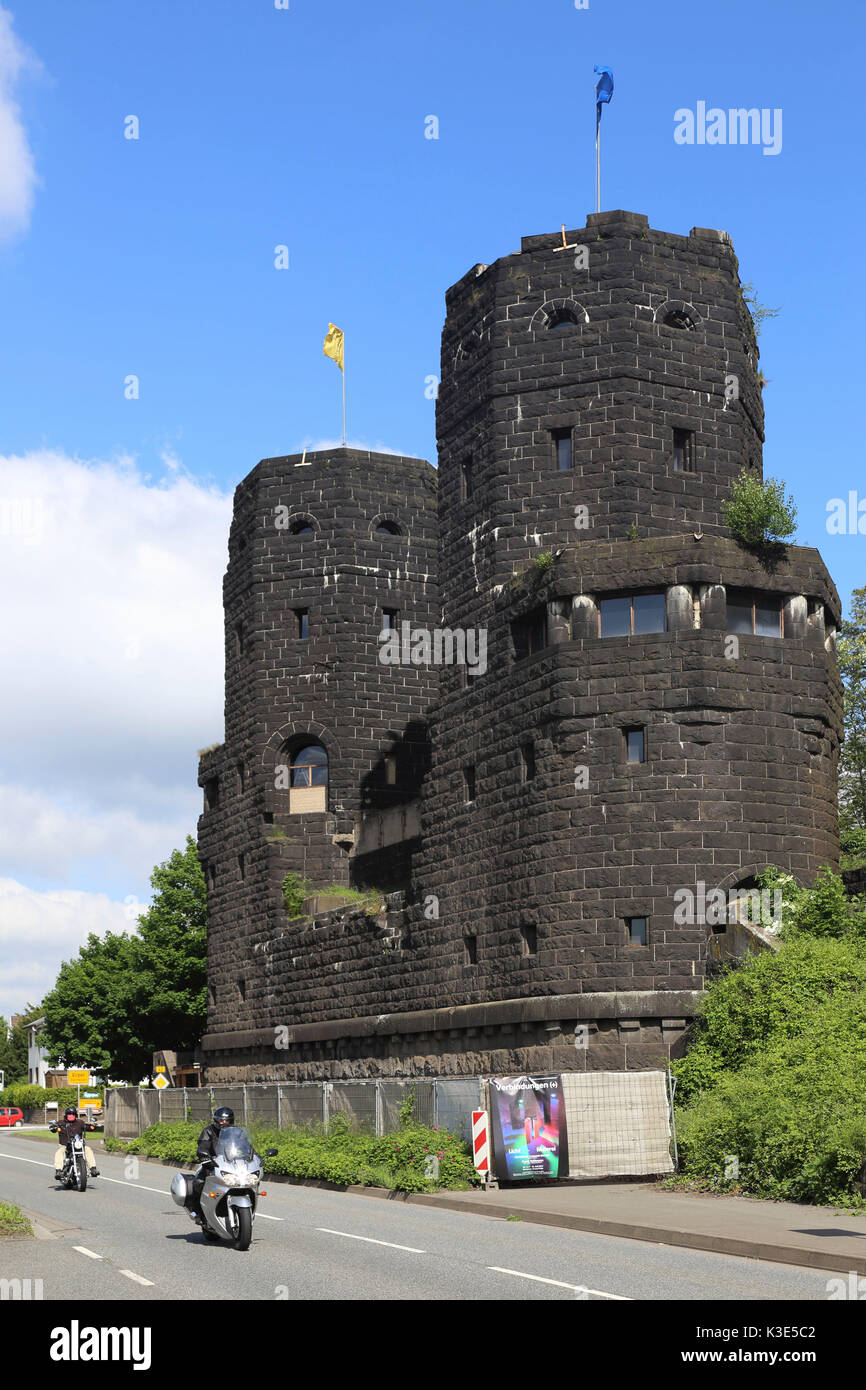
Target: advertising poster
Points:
(528, 1124)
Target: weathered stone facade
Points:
(597, 401)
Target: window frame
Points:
(639, 917)
(638, 593)
(685, 443)
(753, 595)
(557, 437)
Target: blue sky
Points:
(305, 127)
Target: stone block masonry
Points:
(659, 708)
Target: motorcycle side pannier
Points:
(181, 1189)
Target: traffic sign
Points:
(161, 1082)
(159, 1068)
(92, 1095)
(77, 1076)
(90, 1105)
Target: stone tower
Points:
(658, 716)
(324, 549)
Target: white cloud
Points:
(38, 931)
(17, 170)
(112, 644)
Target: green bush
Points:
(759, 513)
(28, 1097)
(339, 1155)
(296, 890)
(772, 996)
(793, 1116)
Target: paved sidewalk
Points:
(817, 1237)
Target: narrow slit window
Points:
(390, 617)
(684, 451)
(637, 931)
(303, 620)
(528, 940)
(469, 783)
(527, 762)
(562, 450)
(635, 745)
(467, 479)
(470, 950)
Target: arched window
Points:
(308, 780)
(677, 313)
(388, 528)
(301, 527)
(562, 321)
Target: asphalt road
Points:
(125, 1239)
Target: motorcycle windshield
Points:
(233, 1144)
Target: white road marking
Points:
(370, 1241)
(127, 1182)
(83, 1250)
(576, 1288)
(137, 1277)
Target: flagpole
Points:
(598, 159)
(344, 390)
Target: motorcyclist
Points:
(205, 1153)
(66, 1128)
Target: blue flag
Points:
(603, 89)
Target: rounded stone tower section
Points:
(659, 714)
(326, 744)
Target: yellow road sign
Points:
(161, 1082)
(78, 1077)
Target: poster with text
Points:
(528, 1123)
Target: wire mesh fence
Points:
(618, 1123)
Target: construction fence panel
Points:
(263, 1106)
(357, 1101)
(394, 1094)
(171, 1106)
(232, 1096)
(148, 1102)
(301, 1105)
(199, 1107)
(454, 1102)
(122, 1119)
(618, 1123)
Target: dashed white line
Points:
(83, 1250)
(130, 1274)
(370, 1241)
(575, 1288)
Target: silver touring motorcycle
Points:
(231, 1189)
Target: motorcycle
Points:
(230, 1192)
(74, 1170)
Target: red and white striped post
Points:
(480, 1143)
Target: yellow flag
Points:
(334, 344)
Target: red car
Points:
(11, 1115)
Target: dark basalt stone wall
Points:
(331, 688)
(510, 948)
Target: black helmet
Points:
(223, 1116)
(70, 1111)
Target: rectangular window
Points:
(637, 930)
(303, 617)
(239, 639)
(389, 619)
(242, 776)
(390, 769)
(528, 941)
(529, 633)
(631, 615)
(684, 451)
(470, 950)
(242, 866)
(757, 615)
(562, 450)
(469, 783)
(527, 762)
(242, 988)
(635, 745)
(466, 478)
(212, 793)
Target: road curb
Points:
(654, 1235)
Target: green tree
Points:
(759, 513)
(851, 651)
(127, 995)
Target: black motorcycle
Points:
(74, 1170)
